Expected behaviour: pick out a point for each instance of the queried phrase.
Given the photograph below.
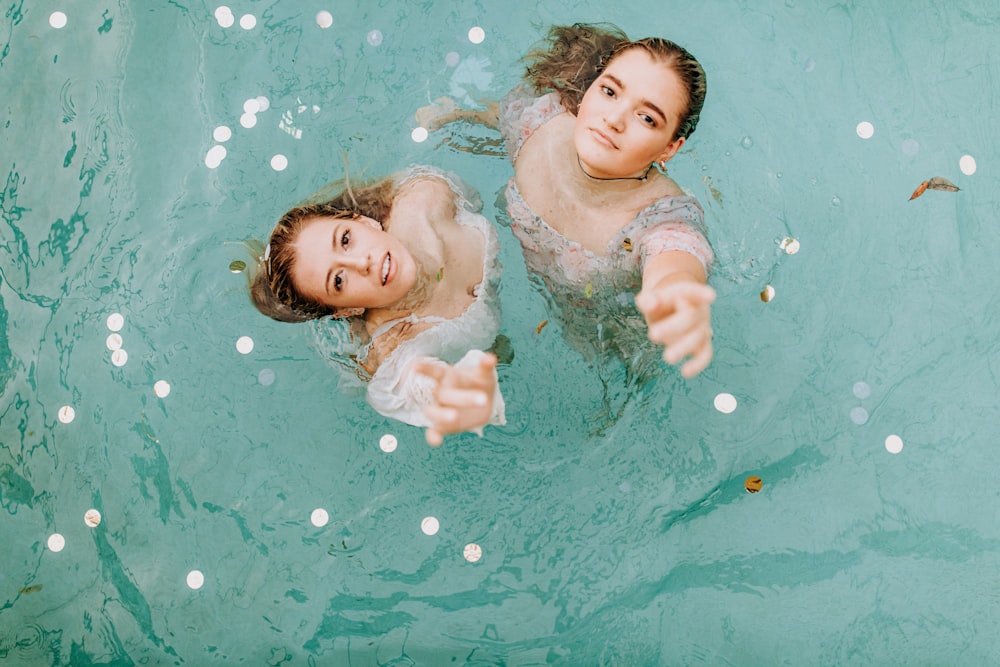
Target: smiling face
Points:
(628, 117)
(351, 263)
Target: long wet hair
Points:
(272, 290)
(571, 58)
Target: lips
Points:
(386, 267)
(603, 139)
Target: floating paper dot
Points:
(67, 414)
(429, 525)
(57, 20)
(251, 105)
(859, 415)
(266, 377)
(248, 21)
(374, 37)
(387, 443)
(56, 542)
(195, 579)
(477, 35)
(862, 390)
(319, 517)
(263, 104)
(451, 58)
(92, 518)
(910, 147)
(237, 266)
(725, 403)
(222, 133)
(119, 358)
(324, 19)
(244, 344)
(224, 15)
(161, 388)
(248, 120)
(767, 294)
(215, 155)
(419, 134)
(753, 484)
(967, 164)
(116, 321)
(894, 444)
(113, 342)
(279, 162)
(865, 130)
(472, 552)
(790, 245)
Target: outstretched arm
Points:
(466, 396)
(445, 110)
(676, 303)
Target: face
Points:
(628, 116)
(351, 264)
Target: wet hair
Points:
(571, 58)
(272, 290)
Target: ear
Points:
(374, 224)
(671, 150)
(344, 313)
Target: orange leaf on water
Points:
(920, 190)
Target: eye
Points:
(607, 91)
(648, 120)
(345, 239)
(338, 282)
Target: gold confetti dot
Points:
(236, 266)
(541, 325)
(92, 518)
(753, 484)
(767, 294)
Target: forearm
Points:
(671, 267)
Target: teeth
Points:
(385, 269)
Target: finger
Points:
(686, 345)
(462, 398)
(698, 362)
(443, 419)
(667, 330)
(434, 437)
(434, 371)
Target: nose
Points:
(360, 263)
(614, 119)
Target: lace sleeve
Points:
(466, 196)
(675, 223)
(521, 112)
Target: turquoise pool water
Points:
(632, 543)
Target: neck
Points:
(641, 177)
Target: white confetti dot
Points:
(248, 21)
(56, 542)
(859, 415)
(57, 20)
(910, 147)
(452, 58)
(865, 130)
(244, 344)
(251, 105)
(894, 444)
(477, 35)
(790, 245)
(319, 517)
(862, 390)
(429, 525)
(725, 403)
(967, 164)
(419, 134)
(324, 19)
(227, 20)
(375, 37)
(161, 388)
(116, 321)
(92, 518)
(263, 104)
(279, 162)
(266, 377)
(222, 133)
(472, 552)
(67, 414)
(119, 358)
(248, 120)
(195, 579)
(215, 155)
(224, 15)
(387, 443)
(114, 342)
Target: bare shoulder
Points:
(426, 189)
(389, 341)
(668, 187)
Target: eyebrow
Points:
(329, 274)
(644, 101)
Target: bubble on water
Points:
(319, 517)
(266, 377)
(859, 415)
(374, 37)
(419, 134)
(746, 142)
(861, 389)
(429, 525)
(477, 35)
(57, 20)
(865, 130)
(452, 58)
(967, 164)
(222, 134)
(324, 19)
(835, 201)
(809, 65)
(910, 147)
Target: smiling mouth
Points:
(385, 268)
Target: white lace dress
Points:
(395, 390)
